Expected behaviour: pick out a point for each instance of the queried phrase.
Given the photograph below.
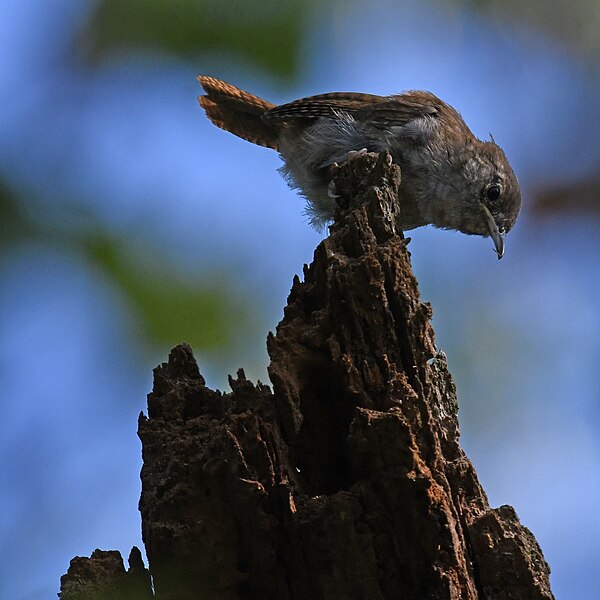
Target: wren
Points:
(450, 179)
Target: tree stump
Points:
(346, 481)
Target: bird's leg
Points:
(331, 190)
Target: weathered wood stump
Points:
(347, 480)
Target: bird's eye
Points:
(493, 192)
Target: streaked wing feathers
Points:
(380, 111)
(323, 105)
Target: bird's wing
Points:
(323, 105)
(380, 111)
(397, 111)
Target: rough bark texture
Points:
(347, 480)
(103, 577)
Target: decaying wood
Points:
(103, 577)
(346, 481)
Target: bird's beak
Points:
(497, 237)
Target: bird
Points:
(450, 178)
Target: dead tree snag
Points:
(347, 480)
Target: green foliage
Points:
(266, 32)
(14, 224)
(172, 307)
(169, 306)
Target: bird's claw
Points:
(356, 153)
(331, 190)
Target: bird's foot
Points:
(356, 153)
(331, 190)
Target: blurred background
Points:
(129, 223)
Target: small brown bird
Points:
(450, 179)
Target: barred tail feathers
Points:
(238, 112)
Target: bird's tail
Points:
(238, 112)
